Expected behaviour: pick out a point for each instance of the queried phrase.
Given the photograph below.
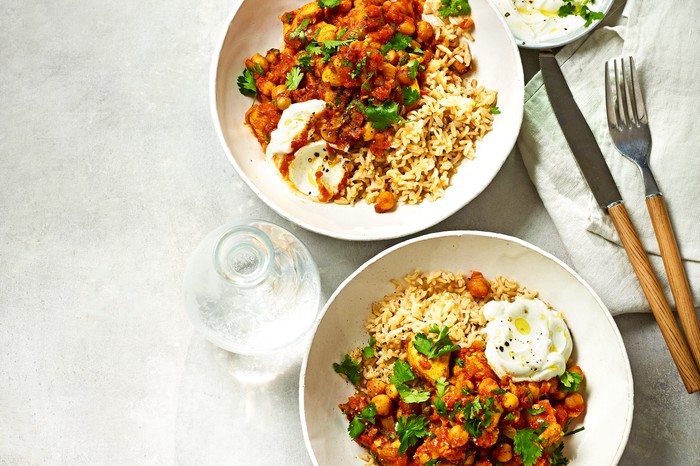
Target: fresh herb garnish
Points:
(410, 429)
(557, 457)
(570, 381)
(294, 77)
(341, 32)
(459, 362)
(359, 422)
(349, 368)
(478, 415)
(495, 110)
(413, 67)
(368, 351)
(575, 431)
(328, 3)
(397, 42)
(582, 10)
(300, 32)
(305, 61)
(526, 444)
(498, 391)
(454, 8)
(403, 374)
(434, 348)
(509, 417)
(382, 116)
(535, 411)
(440, 390)
(410, 96)
(433, 462)
(246, 84)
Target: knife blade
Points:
(595, 171)
(578, 134)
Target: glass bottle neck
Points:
(244, 255)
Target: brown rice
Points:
(436, 137)
(422, 299)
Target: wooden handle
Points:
(655, 296)
(676, 273)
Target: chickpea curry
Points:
(364, 60)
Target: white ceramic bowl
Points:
(560, 40)
(250, 31)
(598, 347)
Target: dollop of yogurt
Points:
(538, 21)
(315, 170)
(526, 340)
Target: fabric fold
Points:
(668, 78)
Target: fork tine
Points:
(610, 99)
(640, 109)
(629, 94)
(621, 112)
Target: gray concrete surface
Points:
(110, 173)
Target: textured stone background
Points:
(110, 173)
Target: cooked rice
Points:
(436, 137)
(423, 299)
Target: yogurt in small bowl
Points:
(539, 24)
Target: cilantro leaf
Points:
(397, 42)
(432, 349)
(566, 9)
(575, 431)
(328, 3)
(535, 411)
(294, 78)
(410, 429)
(246, 84)
(440, 390)
(411, 395)
(557, 457)
(305, 61)
(358, 423)
(384, 115)
(526, 444)
(350, 368)
(509, 417)
(402, 373)
(478, 415)
(300, 32)
(570, 381)
(459, 362)
(589, 15)
(413, 68)
(454, 8)
(410, 96)
(433, 462)
(495, 110)
(368, 351)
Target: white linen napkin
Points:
(662, 37)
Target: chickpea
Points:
(278, 90)
(383, 404)
(407, 27)
(469, 384)
(509, 401)
(392, 57)
(344, 7)
(508, 431)
(477, 285)
(389, 71)
(503, 453)
(403, 76)
(272, 56)
(391, 391)
(368, 131)
(385, 202)
(487, 386)
(266, 88)
(457, 436)
(424, 31)
(329, 96)
(375, 387)
(258, 59)
(574, 404)
(534, 390)
(283, 102)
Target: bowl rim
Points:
(458, 233)
(395, 232)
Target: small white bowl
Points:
(252, 30)
(598, 346)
